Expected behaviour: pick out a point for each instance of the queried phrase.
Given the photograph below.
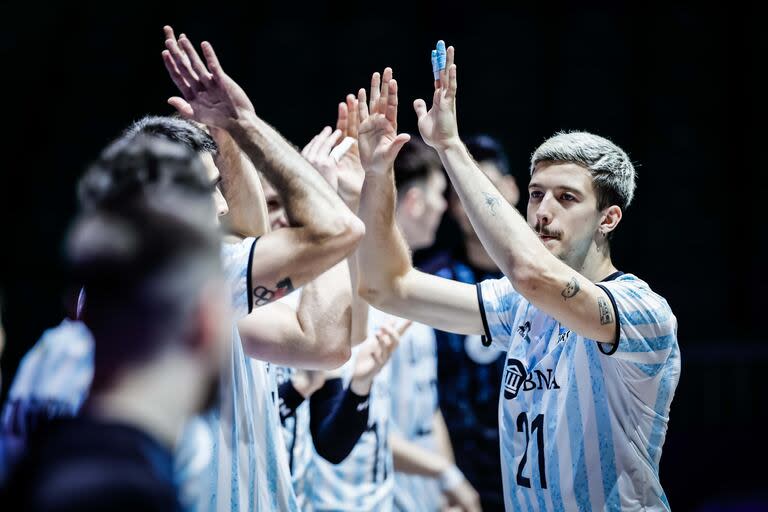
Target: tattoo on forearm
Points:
(605, 311)
(571, 289)
(263, 295)
(492, 202)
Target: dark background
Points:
(676, 86)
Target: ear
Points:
(611, 218)
(413, 202)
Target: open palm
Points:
(209, 95)
(438, 126)
(379, 141)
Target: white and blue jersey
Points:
(298, 443)
(52, 381)
(248, 468)
(582, 423)
(365, 479)
(414, 403)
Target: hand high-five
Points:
(209, 95)
(374, 353)
(438, 126)
(379, 140)
(335, 154)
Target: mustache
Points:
(545, 231)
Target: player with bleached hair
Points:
(592, 356)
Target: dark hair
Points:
(142, 165)
(484, 148)
(144, 270)
(414, 163)
(174, 129)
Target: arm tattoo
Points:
(491, 201)
(263, 295)
(571, 289)
(605, 311)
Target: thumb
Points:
(182, 107)
(397, 145)
(420, 107)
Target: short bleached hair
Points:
(613, 174)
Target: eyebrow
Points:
(559, 187)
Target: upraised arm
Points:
(323, 230)
(241, 188)
(544, 280)
(387, 278)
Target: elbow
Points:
(528, 277)
(333, 357)
(345, 231)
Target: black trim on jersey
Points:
(249, 280)
(486, 339)
(613, 276)
(615, 346)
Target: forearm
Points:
(442, 437)
(241, 188)
(309, 201)
(413, 459)
(325, 314)
(338, 417)
(383, 254)
(505, 234)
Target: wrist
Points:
(361, 386)
(450, 478)
(450, 145)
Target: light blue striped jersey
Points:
(365, 479)
(298, 443)
(248, 467)
(52, 381)
(582, 424)
(414, 403)
(296, 433)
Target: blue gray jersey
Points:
(248, 468)
(414, 403)
(582, 423)
(365, 479)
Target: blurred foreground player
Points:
(159, 316)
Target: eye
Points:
(536, 194)
(568, 197)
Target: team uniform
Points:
(365, 479)
(414, 404)
(582, 423)
(248, 467)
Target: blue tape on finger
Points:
(441, 53)
(435, 70)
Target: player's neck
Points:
(150, 400)
(597, 264)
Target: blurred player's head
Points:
(580, 186)
(157, 302)
(492, 160)
(420, 186)
(175, 130)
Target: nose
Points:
(544, 211)
(221, 204)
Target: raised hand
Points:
(351, 172)
(209, 95)
(318, 153)
(379, 141)
(438, 126)
(374, 353)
